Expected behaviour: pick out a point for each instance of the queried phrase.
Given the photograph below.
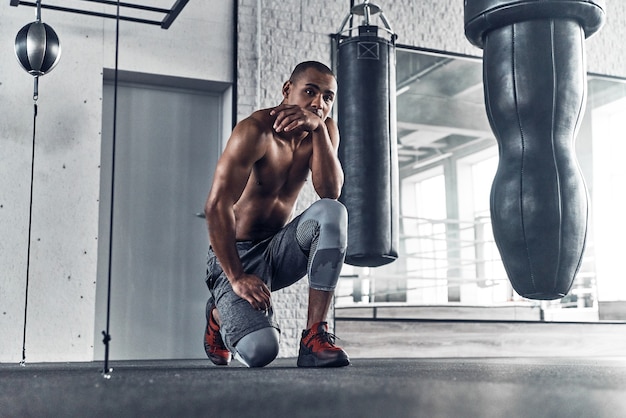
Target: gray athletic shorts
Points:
(277, 260)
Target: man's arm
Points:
(244, 148)
(326, 171)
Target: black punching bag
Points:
(535, 84)
(368, 147)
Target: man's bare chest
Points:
(282, 168)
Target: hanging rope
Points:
(106, 371)
(30, 216)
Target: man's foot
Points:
(318, 349)
(213, 343)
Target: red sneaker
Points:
(318, 349)
(213, 343)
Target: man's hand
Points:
(291, 117)
(252, 289)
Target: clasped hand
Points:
(291, 117)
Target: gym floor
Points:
(383, 387)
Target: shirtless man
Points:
(255, 247)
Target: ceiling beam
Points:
(169, 14)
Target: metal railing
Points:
(451, 262)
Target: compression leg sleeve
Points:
(259, 348)
(322, 233)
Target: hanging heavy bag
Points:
(368, 147)
(535, 90)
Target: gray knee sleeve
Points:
(322, 232)
(259, 348)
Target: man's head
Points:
(312, 86)
(304, 66)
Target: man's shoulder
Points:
(254, 130)
(260, 119)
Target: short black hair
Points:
(305, 65)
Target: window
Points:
(424, 242)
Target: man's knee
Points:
(322, 232)
(329, 210)
(331, 220)
(259, 348)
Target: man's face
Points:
(313, 91)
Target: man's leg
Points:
(259, 348)
(233, 325)
(314, 243)
(213, 342)
(319, 303)
(322, 232)
(256, 349)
